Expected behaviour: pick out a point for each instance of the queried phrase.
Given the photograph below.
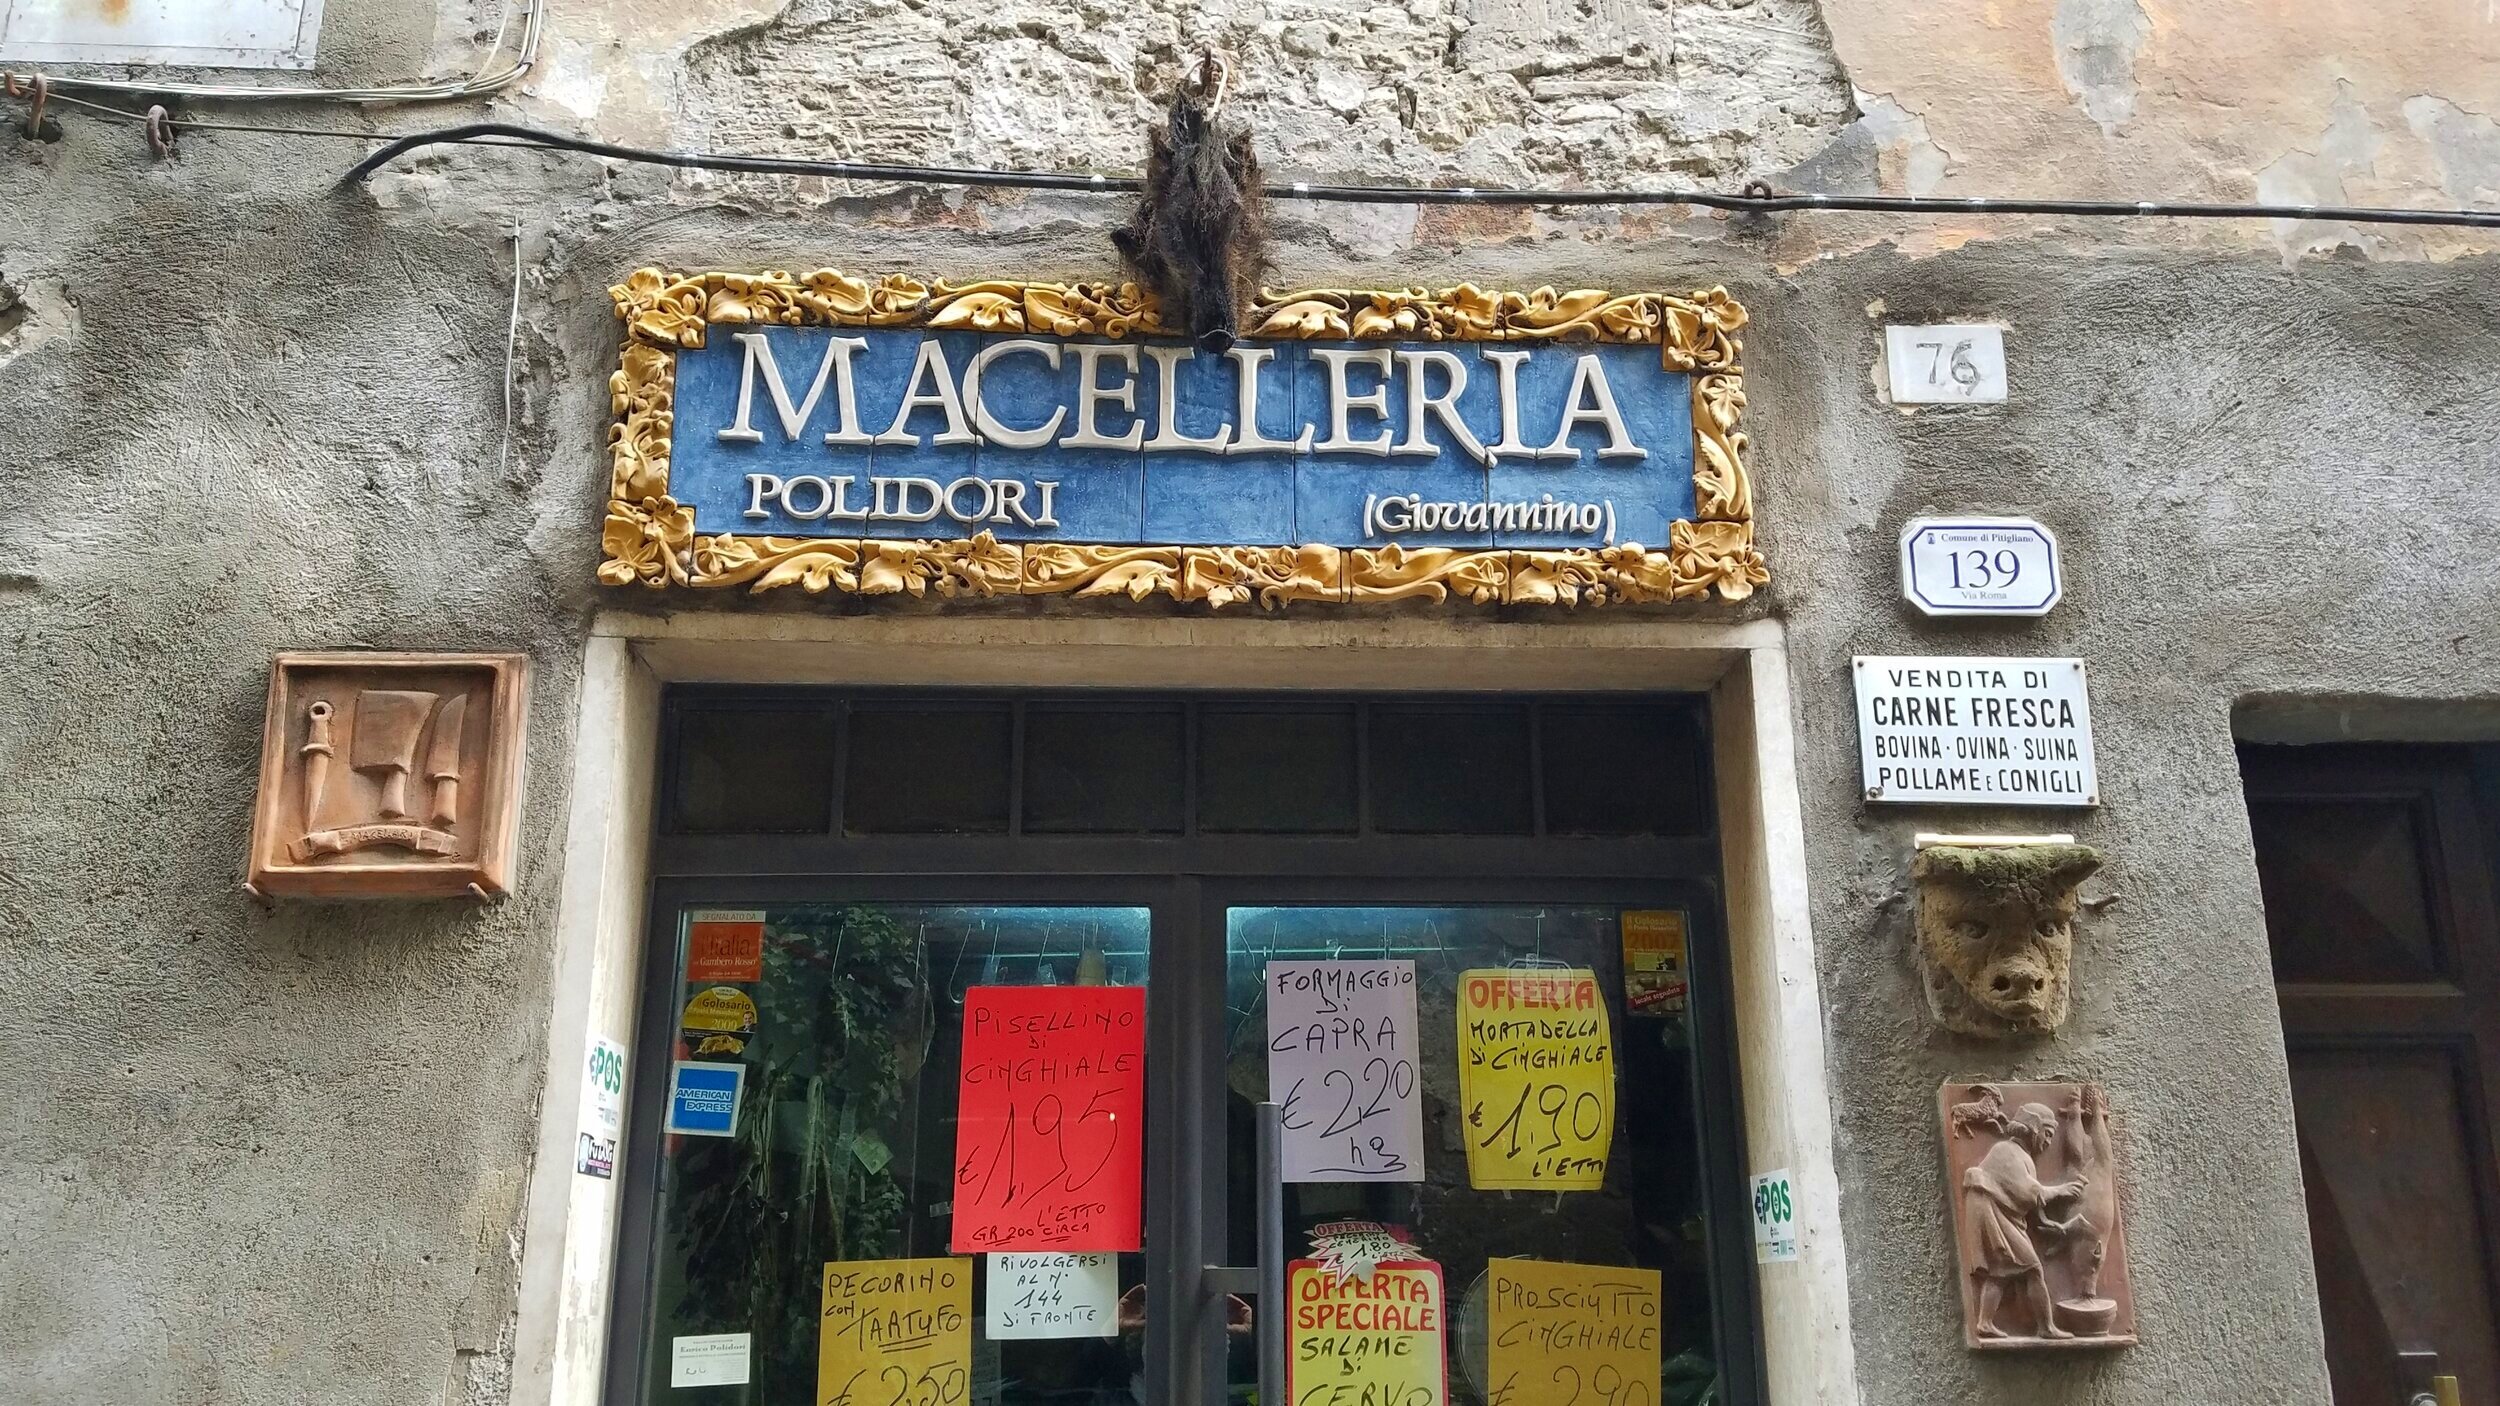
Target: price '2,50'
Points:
(939, 1385)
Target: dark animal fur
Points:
(1199, 235)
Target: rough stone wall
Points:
(265, 1157)
(1484, 92)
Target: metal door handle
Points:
(1271, 1318)
(1265, 1280)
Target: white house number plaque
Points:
(1980, 566)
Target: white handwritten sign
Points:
(1054, 1296)
(1975, 731)
(1341, 1059)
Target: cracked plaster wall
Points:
(278, 1157)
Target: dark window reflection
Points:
(753, 771)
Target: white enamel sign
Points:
(1980, 566)
(1952, 363)
(1975, 731)
(1341, 1059)
(1054, 1296)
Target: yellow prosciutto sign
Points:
(1366, 1342)
(1565, 1332)
(895, 1330)
(1536, 1076)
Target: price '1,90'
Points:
(1544, 1121)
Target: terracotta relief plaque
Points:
(389, 775)
(2034, 1181)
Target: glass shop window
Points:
(1500, 1102)
(831, 1140)
(812, 1119)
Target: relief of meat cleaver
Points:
(388, 723)
(442, 759)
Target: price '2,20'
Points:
(1383, 1088)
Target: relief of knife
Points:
(442, 759)
(316, 753)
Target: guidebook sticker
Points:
(725, 946)
(1655, 981)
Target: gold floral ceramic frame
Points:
(650, 537)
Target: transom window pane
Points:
(1277, 769)
(1650, 1211)
(754, 770)
(922, 770)
(1103, 770)
(1450, 770)
(1073, 765)
(1623, 769)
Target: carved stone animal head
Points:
(1996, 935)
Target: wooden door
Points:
(2376, 867)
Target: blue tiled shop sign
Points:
(797, 431)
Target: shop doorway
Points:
(903, 849)
(2376, 863)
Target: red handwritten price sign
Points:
(1050, 1119)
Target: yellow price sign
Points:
(1570, 1332)
(895, 1333)
(1536, 1078)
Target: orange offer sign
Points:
(724, 947)
(1051, 1119)
(1373, 1341)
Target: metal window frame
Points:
(1186, 882)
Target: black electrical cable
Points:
(1758, 199)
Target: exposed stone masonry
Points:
(1552, 92)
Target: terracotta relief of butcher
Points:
(2033, 1177)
